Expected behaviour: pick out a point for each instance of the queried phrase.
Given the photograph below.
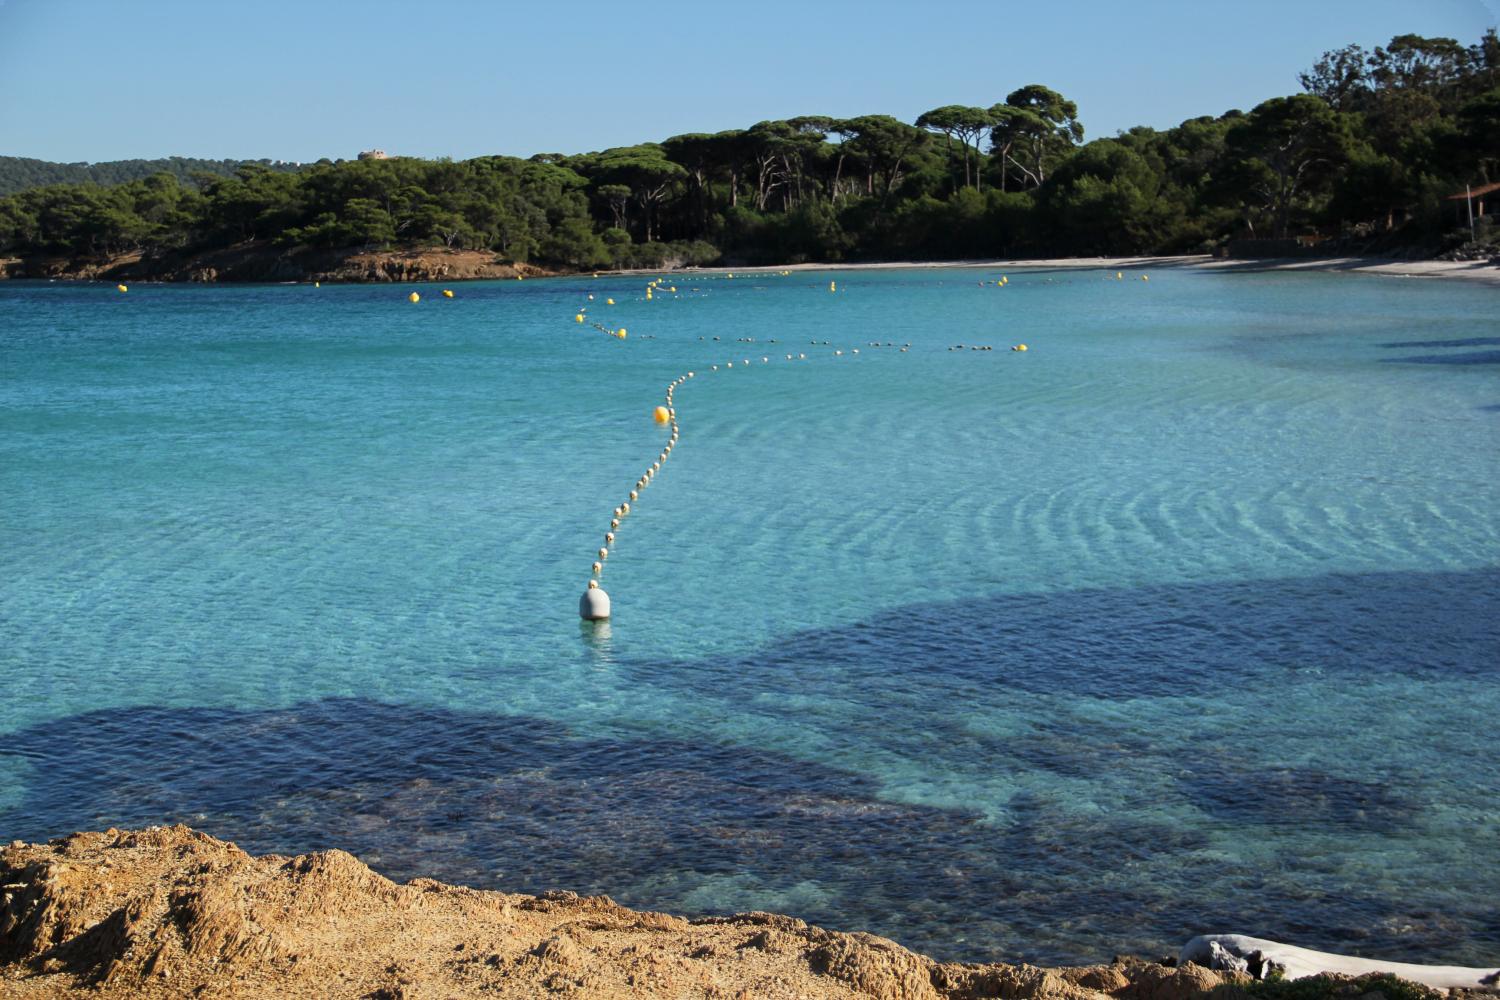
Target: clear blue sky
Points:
(96, 80)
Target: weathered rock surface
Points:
(173, 912)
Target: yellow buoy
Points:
(447, 293)
(122, 288)
(317, 284)
(414, 297)
(661, 415)
(1019, 347)
(620, 333)
(1145, 277)
(833, 287)
(1119, 275)
(579, 318)
(609, 302)
(520, 277)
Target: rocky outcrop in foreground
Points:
(170, 912)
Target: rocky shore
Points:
(171, 912)
(268, 263)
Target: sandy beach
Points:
(1380, 266)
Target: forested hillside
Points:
(17, 173)
(1368, 152)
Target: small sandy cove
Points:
(1466, 270)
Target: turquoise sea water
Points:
(1185, 620)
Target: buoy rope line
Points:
(620, 333)
(594, 605)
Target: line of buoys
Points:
(594, 605)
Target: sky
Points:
(92, 80)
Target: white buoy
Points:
(593, 606)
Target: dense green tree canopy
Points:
(1370, 151)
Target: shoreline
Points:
(170, 911)
(1382, 266)
(438, 266)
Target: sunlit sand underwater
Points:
(1183, 620)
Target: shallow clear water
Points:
(1184, 620)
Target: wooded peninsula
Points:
(1387, 151)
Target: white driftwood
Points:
(1260, 958)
